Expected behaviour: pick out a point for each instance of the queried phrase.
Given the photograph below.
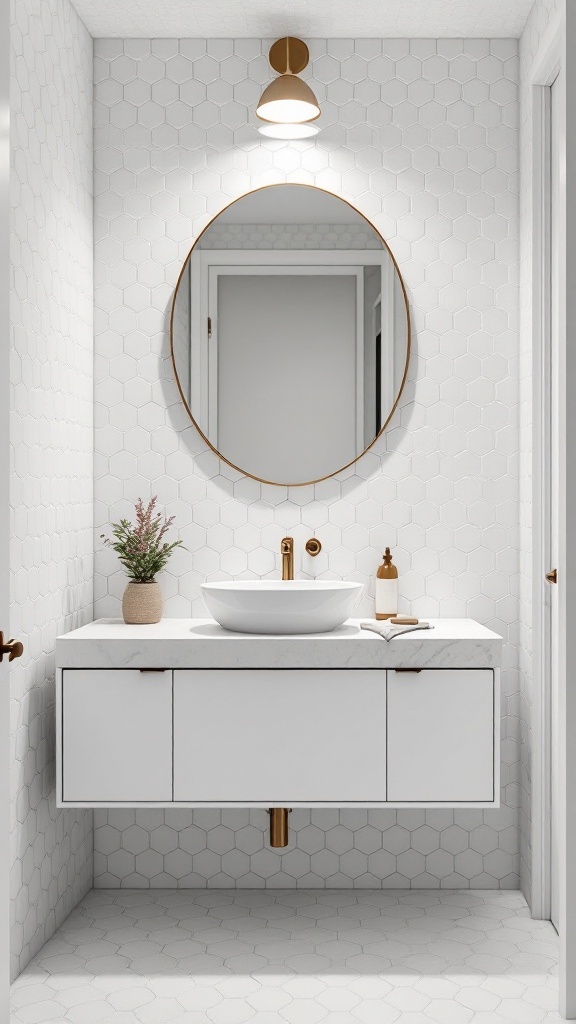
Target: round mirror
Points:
(290, 334)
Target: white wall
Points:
(51, 435)
(422, 137)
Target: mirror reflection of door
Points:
(290, 334)
(278, 337)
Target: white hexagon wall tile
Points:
(51, 375)
(422, 137)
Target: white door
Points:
(554, 312)
(553, 493)
(4, 509)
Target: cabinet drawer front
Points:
(116, 735)
(278, 736)
(441, 736)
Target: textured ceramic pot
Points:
(142, 603)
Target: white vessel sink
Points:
(281, 606)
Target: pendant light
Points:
(288, 100)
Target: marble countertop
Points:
(202, 643)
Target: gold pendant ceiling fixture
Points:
(288, 104)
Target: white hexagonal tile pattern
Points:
(289, 958)
(422, 137)
(51, 370)
(332, 848)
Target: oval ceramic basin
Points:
(281, 606)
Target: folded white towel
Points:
(388, 632)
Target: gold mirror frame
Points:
(252, 476)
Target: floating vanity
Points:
(185, 713)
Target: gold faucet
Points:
(287, 552)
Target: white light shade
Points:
(288, 100)
(288, 131)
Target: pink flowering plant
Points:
(142, 548)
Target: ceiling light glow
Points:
(288, 131)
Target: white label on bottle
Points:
(386, 597)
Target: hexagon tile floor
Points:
(292, 957)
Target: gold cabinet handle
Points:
(13, 648)
(552, 576)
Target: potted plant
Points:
(143, 552)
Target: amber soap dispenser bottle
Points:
(387, 588)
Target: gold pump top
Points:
(387, 571)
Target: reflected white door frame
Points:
(216, 272)
(207, 269)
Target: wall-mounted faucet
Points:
(287, 552)
(313, 548)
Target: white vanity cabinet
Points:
(190, 715)
(280, 736)
(116, 736)
(441, 736)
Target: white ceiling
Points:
(217, 19)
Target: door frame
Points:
(550, 64)
(4, 507)
(568, 471)
(544, 73)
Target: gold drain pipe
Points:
(279, 826)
